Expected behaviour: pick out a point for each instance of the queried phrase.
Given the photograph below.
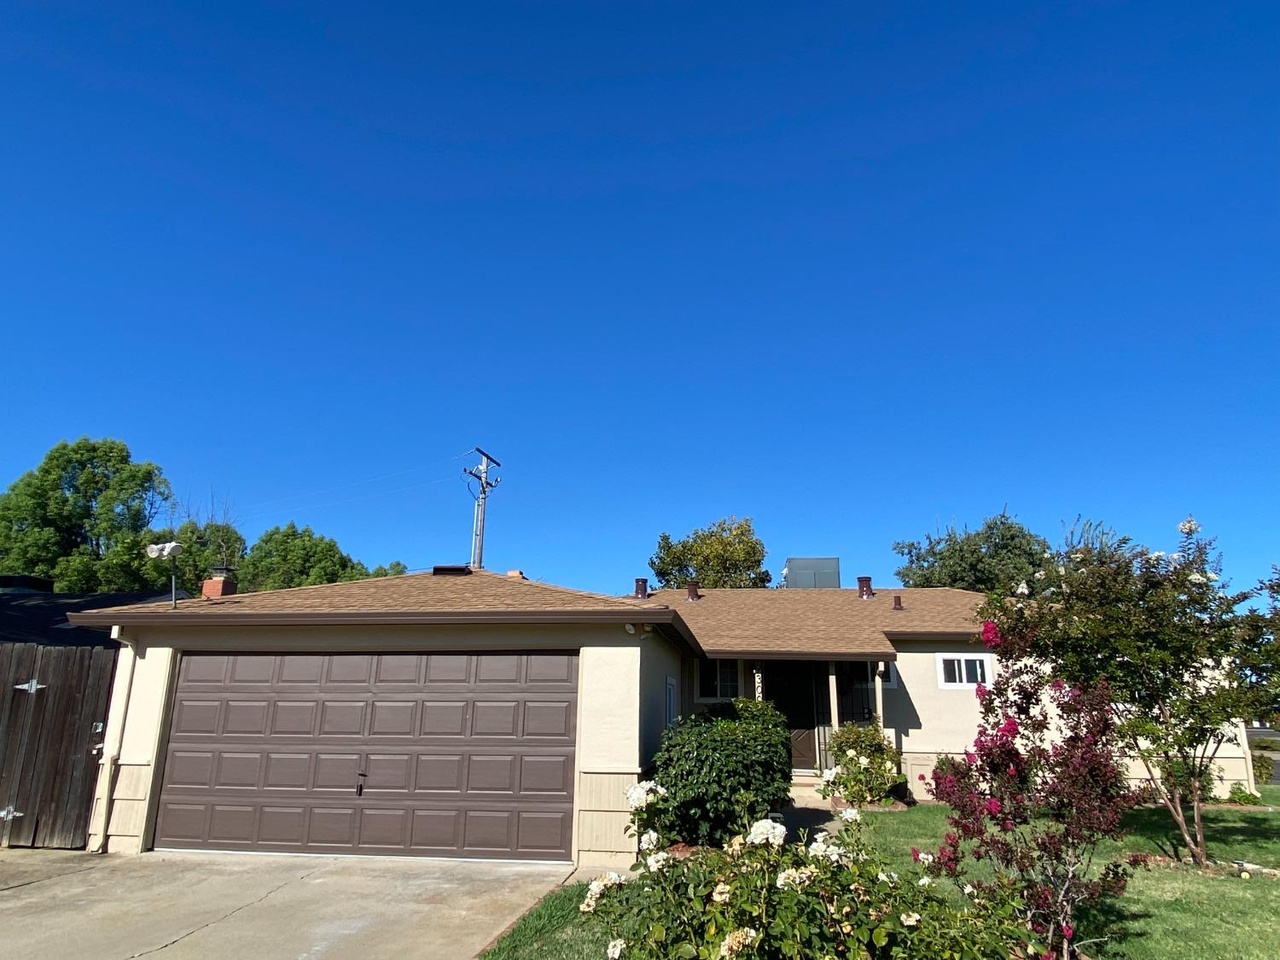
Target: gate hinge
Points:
(30, 686)
(8, 813)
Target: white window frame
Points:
(986, 659)
(697, 681)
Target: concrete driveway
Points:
(56, 905)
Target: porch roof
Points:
(825, 624)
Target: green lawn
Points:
(1168, 912)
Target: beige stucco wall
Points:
(608, 747)
(926, 721)
(659, 660)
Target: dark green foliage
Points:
(726, 554)
(723, 769)
(997, 556)
(287, 557)
(80, 518)
(1264, 768)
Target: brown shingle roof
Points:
(823, 623)
(480, 596)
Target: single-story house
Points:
(465, 713)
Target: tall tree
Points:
(291, 557)
(725, 554)
(999, 554)
(1183, 663)
(206, 546)
(80, 517)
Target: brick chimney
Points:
(642, 588)
(221, 584)
(693, 590)
(864, 588)
(897, 602)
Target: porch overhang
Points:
(783, 653)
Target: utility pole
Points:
(481, 474)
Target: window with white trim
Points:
(959, 670)
(719, 679)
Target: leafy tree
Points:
(726, 554)
(393, 569)
(205, 547)
(291, 557)
(1000, 553)
(1183, 664)
(80, 517)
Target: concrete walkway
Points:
(56, 905)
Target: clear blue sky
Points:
(855, 270)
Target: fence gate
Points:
(53, 706)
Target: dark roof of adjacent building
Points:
(821, 623)
(32, 617)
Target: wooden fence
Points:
(53, 707)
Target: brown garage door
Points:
(457, 755)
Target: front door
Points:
(790, 686)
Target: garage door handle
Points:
(360, 784)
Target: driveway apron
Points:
(56, 905)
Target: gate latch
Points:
(8, 813)
(30, 686)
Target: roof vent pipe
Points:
(864, 588)
(897, 601)
(642, 588)
(693, 589)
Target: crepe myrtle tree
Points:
(1183, 662)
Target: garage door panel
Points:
(444, 718)
(282, 826)
(494, 718)
(393, 718)
(294, 718)
(182, 823)
(438, 831)
(196, 718)
(332, 827)
(432, 755)
(439, 773)
(336, 771)
(238, 771)
(246, 718)
(388, 773)
(551, 719)
(287, 771)
(339, 718)
(351, 669)
(252, 671)
(234, 824)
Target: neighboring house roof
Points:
(822, 623)
(42, 617)
(457, 596)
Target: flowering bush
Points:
(866, 769)
(718, 771)
(832, 897)
(1041, 786)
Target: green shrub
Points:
(866, 769)
(1264, 768)
(1265, 743)
(721, 769)
(1243, 795)
(835, 897)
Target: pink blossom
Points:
(970, 757)
(981, 691)
(990, 634)
(1013, 771)
(1068, 931)
(1009, 728)
(993, 806)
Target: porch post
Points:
(835, 695)
(879, 675)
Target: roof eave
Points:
(281, 618)
(782, 654)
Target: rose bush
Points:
(830, 897)
(866, 769)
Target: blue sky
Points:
(854, 270)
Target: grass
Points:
(1265, 743)
(1168, 911)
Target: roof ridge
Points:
(624, 601)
